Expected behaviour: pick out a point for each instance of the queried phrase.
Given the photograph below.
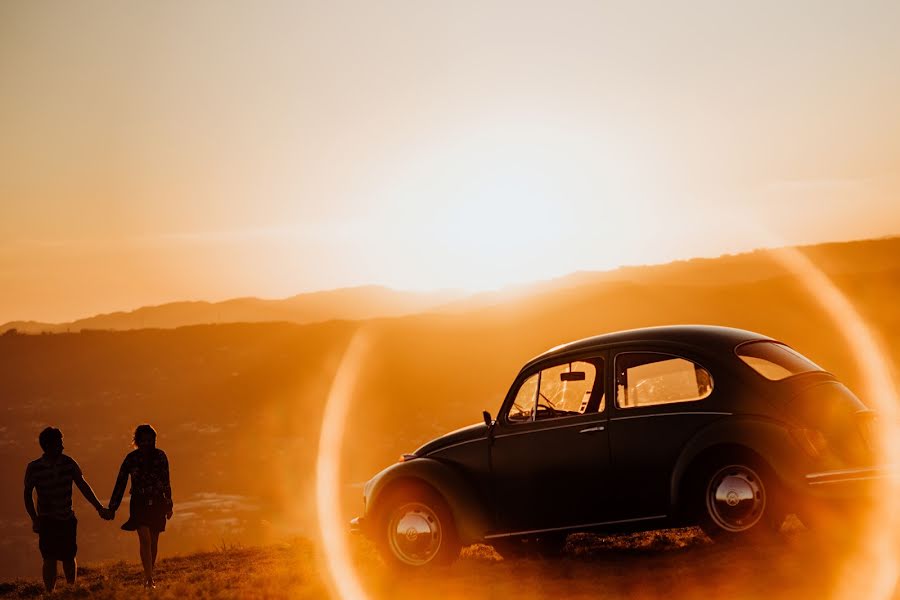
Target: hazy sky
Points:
(160, 150)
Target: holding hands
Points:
(107, 514)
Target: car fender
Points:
(768, 438)
(469, 512)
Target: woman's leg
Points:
(154, 546)
(146, 552)
(70, 568)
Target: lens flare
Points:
(870, 572)
(342, 576)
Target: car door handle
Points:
(593, 429)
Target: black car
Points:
(629, 431)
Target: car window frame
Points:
(600, 385)
(614, 373)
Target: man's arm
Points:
(29, 499)
(87, 492)
(84, 487)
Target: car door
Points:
(662, 397)
(549, 469)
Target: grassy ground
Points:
(669, 564)
(269, 572)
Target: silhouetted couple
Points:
(52, 476)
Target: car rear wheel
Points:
(739, 499)
(416, 529)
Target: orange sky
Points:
(160, 151)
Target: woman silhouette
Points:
(151, 495)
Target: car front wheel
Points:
(416, 529)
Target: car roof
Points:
(710, 337)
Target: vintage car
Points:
(635, 430)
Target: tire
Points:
(415, 528)
(738, 499)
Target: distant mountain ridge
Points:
(874, 256)
(355, 303)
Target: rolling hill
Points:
(370, 302)
(238, 406)
(365, 302)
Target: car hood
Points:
(472, 432)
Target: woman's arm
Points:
(164, 477)
(166, 483)
(119, 489)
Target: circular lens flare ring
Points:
(873, 571)
(342, 576)
(870, 573)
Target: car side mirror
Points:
(490, 425)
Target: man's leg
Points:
(154, 546)
(70, 568)
(146, 552)
(49, 572)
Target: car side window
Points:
(650, 378)
(563, 390)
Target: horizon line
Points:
(463, 293)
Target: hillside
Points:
(675, 564)
(835, 259)
(238, 406)
(369, 302)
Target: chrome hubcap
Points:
(414, 533)
(736, 498)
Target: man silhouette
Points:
(52, 475)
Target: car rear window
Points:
(775, 361)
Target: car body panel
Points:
(766, 438)
(550, 474)
(454, 485)
(625, 468)
(645, 449)
(460, 436)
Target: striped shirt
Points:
(53, 482)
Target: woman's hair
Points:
(144, 430)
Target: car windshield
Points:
(775, 361)
(557, 391)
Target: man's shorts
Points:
(57, 538)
